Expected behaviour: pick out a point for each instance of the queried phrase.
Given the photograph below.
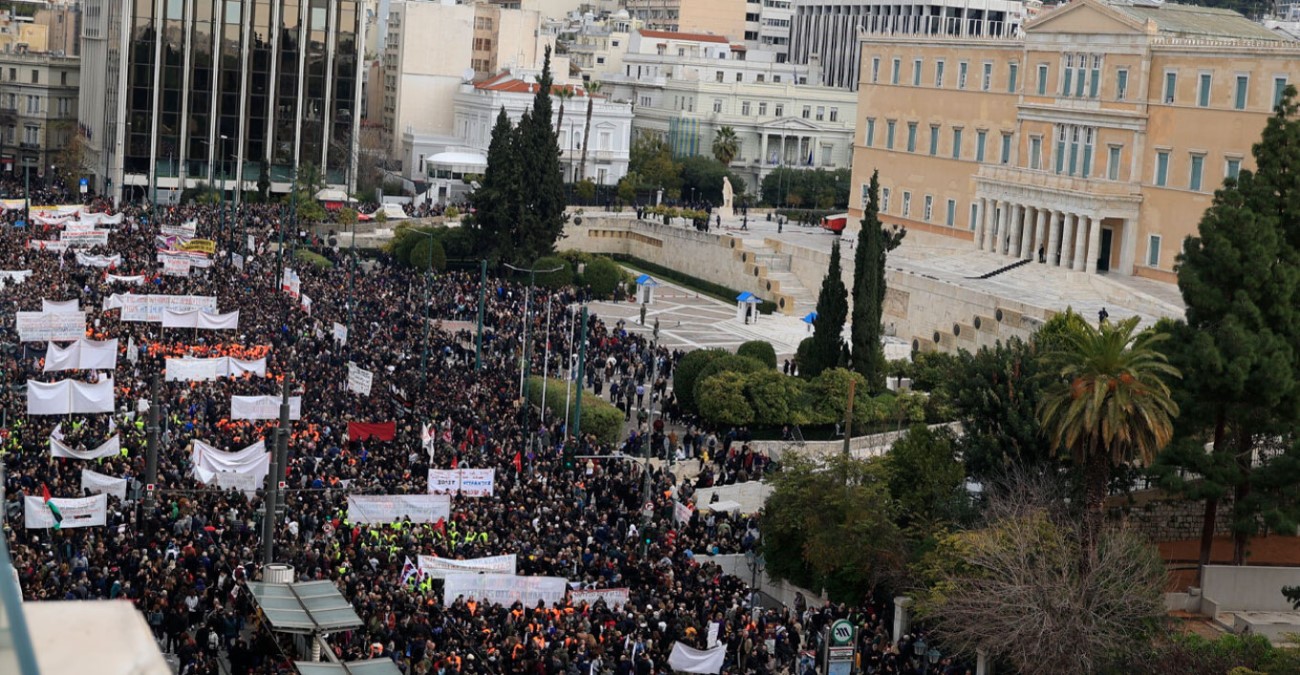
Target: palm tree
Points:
(593, 87)
(726, 145)
(564, 94)
(1107, 404)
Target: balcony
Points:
(1058, 183)
(29, 146)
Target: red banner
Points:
(360, 431)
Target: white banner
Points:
(84, 512)
(150, 308)
(82, 355)
(505, 589)
(69, 396)
(46, 245)
(380, 509)
(682, 513)
(439, 568)
(193, 370)
(110, 448)
(237, 260)
(59, 306)
(98, 483)
(85, 238)
(13, 276)
(340, 333)
(46, 327)
(92, 260)
(196, 258)
(136, 279)
(195, 318)
(359, 379)
(613, 597)
(175, 267)
(263, 407)
(691, 660)
(187, 229)
(468, 482)
(306, 303)
(215, 466)
(80, 225)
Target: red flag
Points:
(360, 431)
(45, 492)
(519, 463)
(441, 526)
(454, 462)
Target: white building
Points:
(685, 87)
(445, 162)
(767, 26)
(597, 47)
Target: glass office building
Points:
(179, 92)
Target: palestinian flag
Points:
(49, 504)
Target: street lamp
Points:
(224, 138)
(424, 357)
(525, 365)
(754, 561)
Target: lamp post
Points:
(650, 420)
(424, 357)
(525, 365)
(754, 561)
(224, 138)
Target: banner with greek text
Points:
(359, 379)
(93, 260)
(504, 589)
(263, 407)
(613, 597)
(84, 239)
(176, 267)
(150, 308)
(47, 245)
(382, 509)
(98, 483)
(439, 568)
(467, 482)
(47, 327)
(115, 279)
(84, 512)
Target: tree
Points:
(1107, 404)
(564, 94)
(652, 160)
(776, 399)
(627, 188)
(818, 188)
(721, 398)
(553, 280)
(1237, 350)
(687, 373)
(726, 145)
(593, 88)
(704, 175)
(428, 254)
(70, 163)
(727, 363)
(345, 216)
(602, 276)
(760, 350)
(828, 526)
(828, 396)
(827, 349)
(874, 244)
(540, 216)
(494, 200)
(926, 478)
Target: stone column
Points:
(981, 207)
(983, 664)
(1027, 234)
(1094, 244)
(1039, 228)
(1054, 239)
(1067, 238)
(1017, 225)
(1003, 237)
(1080, 243)
(762, 142)
(990, 224)
(902, 616)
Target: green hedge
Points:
(313, 258)
(599, 417)
(761, 350)
(694, 283)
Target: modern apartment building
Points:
(38, 109)
(1094, 140)
(186, 91)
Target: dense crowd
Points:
(184, 563)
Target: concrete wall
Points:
(861, 447)
(1228, 587)
(735, 564)
(1166, 517)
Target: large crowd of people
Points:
(185, 561)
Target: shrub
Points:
(776, 398)
(722, 400)
(345, 216)
(427, 254)
(829, 394)
(586, 190)
(761, 350)
(599, 418)
(452, 213)
(688, 373)
(557, 279)
(313, 258)
(729, 363)
(602, 276)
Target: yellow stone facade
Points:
(1093, 141)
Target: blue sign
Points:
(85, 182)
(21, 223)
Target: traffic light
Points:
(570, 460)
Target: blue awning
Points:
(645, 280)
(811, 317)
(748, 297)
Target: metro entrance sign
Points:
(840, 647)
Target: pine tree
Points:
(1240, 280)
(541, 212)
(874, 243)
(832, 310)
(494, 212)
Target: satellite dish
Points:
(467, 75)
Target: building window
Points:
(1121, 84)
(1162, 168)
(717, 105)
(988, 76)
(1239, 97)
(884, 200)
(938, 74)
(1153, 250)
(1112, 162)
(907, 203)
(956, 143)
(762, 109)
(1061, 132)
(1042, 79)
(807, 111)
(893, 75)
(1013, 72)
(951, 219)
(866, 194)
(835, 115)
(961, 74)
(1094, 77)
(778, 110)
(911, 136)
(1080, 75)
(1088, 136)
(1203, 90)
(1279, 88)
(32, 135)
(974, 215)
(1232, 169)
(929, 208)
(916, 72)
(875, 69)
(1035, 152)
(821, 113)
(871, 131)
(1068, 74)
(36, 76)
(744, 108)
(980, 137)
(33, 104)
(1198, 168)
(63, 79)
(889, 135)
(934, 139)
(1006, 148)
(1171, 86)
(719, 76)
(740, 77)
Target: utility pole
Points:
(650, 421)
(526, 366)
(546, 358)
(482, 296)
(279, 459)
(151, 453)
(352, 284)
(582, 369)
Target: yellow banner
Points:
(200, 245)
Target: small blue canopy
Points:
(645, 280)
(811, 317)
(748, 297)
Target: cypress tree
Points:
(541, 212)
(494, 200)
(832, 310)
(874, 244)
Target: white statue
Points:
(727, 196)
